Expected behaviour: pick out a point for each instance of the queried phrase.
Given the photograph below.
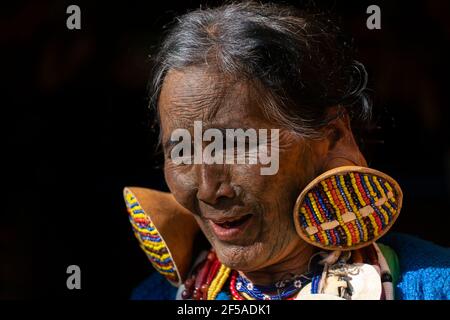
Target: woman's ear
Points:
(340, 147)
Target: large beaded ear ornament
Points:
(347, 208)
(164, 231)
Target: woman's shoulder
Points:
(424, 268)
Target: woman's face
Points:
(246, 216)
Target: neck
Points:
(295, 262)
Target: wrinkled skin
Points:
(270, 248)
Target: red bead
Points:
(233, 290)
(189, 283)
(185, 294)
(211, 256)
(213, 271)
(196, 295)
(204, 288)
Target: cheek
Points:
(247, 177)
(182, 185)
(279, 192)
(275, 195)
(297, 167)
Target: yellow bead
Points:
(218, 282)
(353, 206)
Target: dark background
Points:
(77, 131)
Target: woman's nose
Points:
(213, 187)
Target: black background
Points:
(77, 131)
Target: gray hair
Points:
(298, 59)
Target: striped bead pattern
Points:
(347, 209)
(149, 239)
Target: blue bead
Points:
(223, 296)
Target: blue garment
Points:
(424, 268)
(424, 272)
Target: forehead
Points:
(197, 93)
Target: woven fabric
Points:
(424, 268)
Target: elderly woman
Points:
(307, 228)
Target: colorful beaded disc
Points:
(347, 208)
(150, 240)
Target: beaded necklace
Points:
(210, 276)
(207, 279)
(242, 289)
(212, 280)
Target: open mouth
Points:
(231, 228)
(233, 223)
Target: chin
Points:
(242, 258)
